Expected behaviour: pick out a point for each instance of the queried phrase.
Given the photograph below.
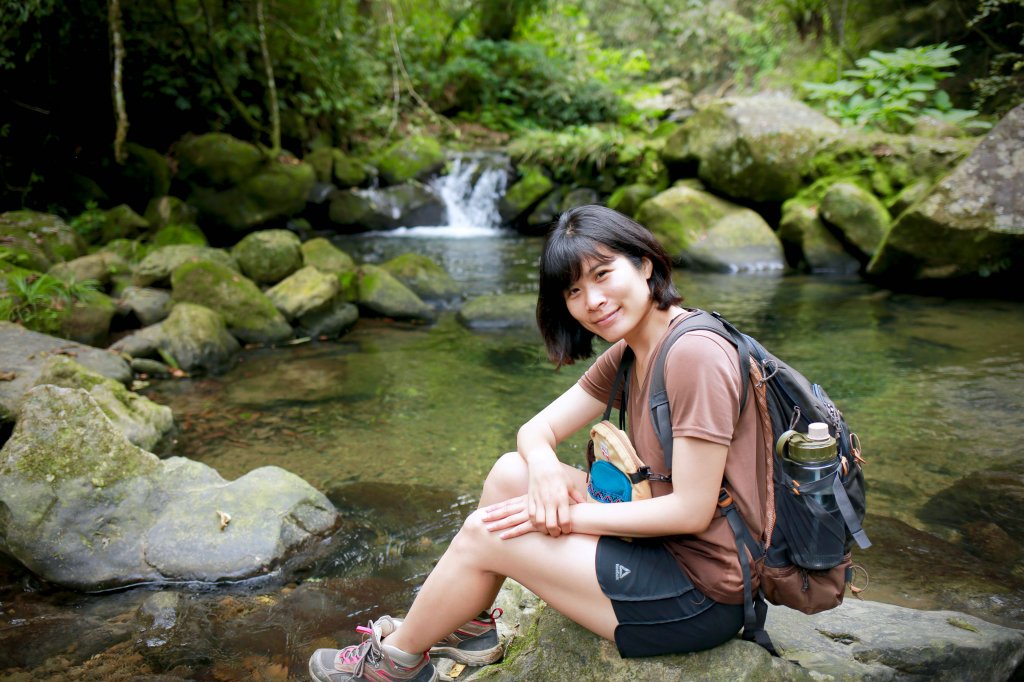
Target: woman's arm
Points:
(550, 492)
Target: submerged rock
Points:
(88, 510)
(499, 311)
(383, 295)
(427, 279)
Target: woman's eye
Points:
(601, 274)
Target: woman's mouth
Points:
(607, 319)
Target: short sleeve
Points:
(598, 379)
(703, 384)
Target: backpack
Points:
(803, 560)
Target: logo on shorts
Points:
(621, 571)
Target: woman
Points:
(677, 586)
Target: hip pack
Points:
(813, 514)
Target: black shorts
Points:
(658, 608)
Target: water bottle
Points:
(809, 457)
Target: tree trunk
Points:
(117, 46)
(275, 115)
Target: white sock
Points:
(402, 658)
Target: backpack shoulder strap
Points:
(620, 385)
(660, 413)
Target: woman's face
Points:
(611, 297)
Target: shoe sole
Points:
(313, 674)
(466, 657)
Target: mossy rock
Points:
(407, 205)
(168, 210)
(382, 295)
(37, 241)
(217, 160)
(197, 338)
(268, 256)
(329, 322)
(857, 215)
(248, 313)
(278, 190)
(808, 243)
(413, 158)
(145, 173)
(532, 186)
(99, 267)
(547, 210)
(499, 311)
(179, 233)
(423, 276)
(335, 167)
(627, 199)
(323, 255)
(305, 291)
(157, 266)
(122, 222)
(88, 321)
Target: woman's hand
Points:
(509, 518)
(549, 495)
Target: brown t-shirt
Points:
(703, 383)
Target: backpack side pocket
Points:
(807, 591)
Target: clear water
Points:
(399, 423)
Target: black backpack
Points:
(804, 560)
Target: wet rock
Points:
(857, 215)
(192, 337)
(413, 158)
(808, 244)
(627, 199)
(407, 205)
(142, 421)
(38, 241)
(424, 277)
(703, 232)
(157, 266)
(268, 256)
(546, 212)
(499, 311)
(322, 254)
(303, 292)
(23, 354)
(382, 295)
(971, 224)
(88, 319)
(524, 194)
(86, 509)
(99, 267)
(277, 191)
(908, 196)
(248, 313)
(330, 322)
(148, 305)
(579, 196)
(217, 160)
(151, 368)
(334, 167)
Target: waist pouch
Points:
(616, 473)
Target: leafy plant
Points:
(38, 301)
(89, 224)
(890, 90)
(582, 152)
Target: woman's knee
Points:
(509, 477)
(473, 536)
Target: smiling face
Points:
(611, 297)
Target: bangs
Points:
(562, 261)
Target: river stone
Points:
(702, 231)
(88, 320)
(971, 224)
(148, 305)
(216, 160)
(808, 244)
(88, 510)
(248, 313)
(38, 241)
(142, 421)
(540, 218)
(627, 199)
(857, 214)
(411, 158)
(305, 291)
(427, 279)
(156, 268)
(755, 148)
(380, 294)
(195, 337)
(330, 321)
(322, 254)
(268, 256)
(333, 166)
(121, 222)
(23, 354)
(908, 196)
(99, 267)
(525, 193)
(279, 190)
(179, 233)
(410, 204)
(168, 210)
(499, 311)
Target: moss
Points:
(962, 624)
(410, 159)
(179, 234)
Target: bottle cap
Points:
(818, 431)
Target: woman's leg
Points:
(560, 571)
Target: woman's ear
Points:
(646, 267)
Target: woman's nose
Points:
(595, 298)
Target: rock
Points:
(142, 421)
(248, 313)
(808, 244)
(88, 510)
(701, 231)
(755, 148)
(149, 306)
(330, 321)
(627, 199)
(156, 268)
(424, 277)
(412, 158)
(167, 210)
(99, 267)
(217, 160)
(121, 222)
(268, 256)
(333, 166)
(23, 353)
(325, 256)
(857, 640)
(407, 205)
(499, 311)
(908, 196)
(88, 319)
(279, 190)
(382, 295)
(532, 186)
(539, 219)
(971, 224)
(858, 216)
(306, 291)
(994, 494)
(179, 233)
(38, 241)
(151, 368)
(579, 196)
(193, 337)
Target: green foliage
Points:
(1001, 23)
(581, 152)
(39, 302)
(889, 90)
(89, 223)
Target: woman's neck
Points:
(646, 335)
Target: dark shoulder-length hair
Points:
(591, 232)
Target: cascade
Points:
(472, 190)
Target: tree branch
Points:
(117, 45)
(275, 115)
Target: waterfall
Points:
(471, 190)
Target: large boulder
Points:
(333, 166)
(168, 210)
(380, 294)
(407, 205)
(87, 320)
(306, 291)
(278, 190)
(147, 305)
(412, 158)
(702, 231)
(859, 640)
(99, 267)
(427, 279)
(524, 194)
(142, 421)
(627, 199)
(808, 243)
(121, 222)
(857, 215)
(971, 224)
(323, 255)
(23, 354)
(268, 256)
(37, 241)
(157, 266)
(217, 160)
(246, 310)
(192, 337)
(499, 311)
(86, 509)
(755, 148)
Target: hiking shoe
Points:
(473, 644)
(367, 661)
